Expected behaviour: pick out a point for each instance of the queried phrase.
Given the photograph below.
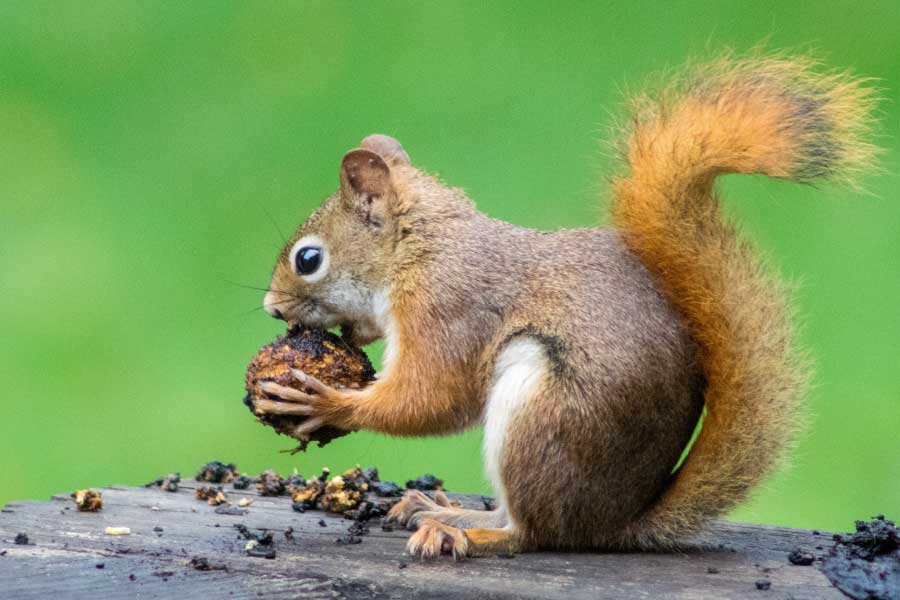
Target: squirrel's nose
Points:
(269, 306)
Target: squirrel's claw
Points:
(272, 407)
(308, 426)
(286, 393)
(311, 383)
(316, 401)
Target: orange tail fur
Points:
(772, 116)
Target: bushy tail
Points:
(773, 116)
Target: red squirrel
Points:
(587, 354)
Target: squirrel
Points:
(589, 355)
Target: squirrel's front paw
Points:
(321, 404)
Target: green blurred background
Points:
(143, 144)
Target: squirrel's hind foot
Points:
(434, 539)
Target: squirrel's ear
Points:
(366, 185)
(386, 147)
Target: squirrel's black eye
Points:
(307, 260)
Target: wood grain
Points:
(66, 546)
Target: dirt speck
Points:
(201, 563)
(261, 545)
(801, 558)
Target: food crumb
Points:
(310, 493)
(88, 500)
(169, 483)
(343, 492)
(259, 546)
(212, 494)
(217, 472)
(386, 488)
(241, 482)
(117, 531)
(245, 502)
(425, 483)
(271, 484)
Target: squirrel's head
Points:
(335, 270)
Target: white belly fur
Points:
(520, 367)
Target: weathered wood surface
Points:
(66, 546)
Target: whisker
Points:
(250, 312)
(275, 223)
(261, 307)
(260, 289)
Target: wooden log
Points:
(68, 555)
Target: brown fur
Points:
(637, 326)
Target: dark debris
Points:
(425, 482)
(763, 584)
(801, 558)
(201, 563)
(260, 545)
(217, 472)
(242, 482)
(169, 483)
(271, 484)
(866, 564)
(231, 510)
